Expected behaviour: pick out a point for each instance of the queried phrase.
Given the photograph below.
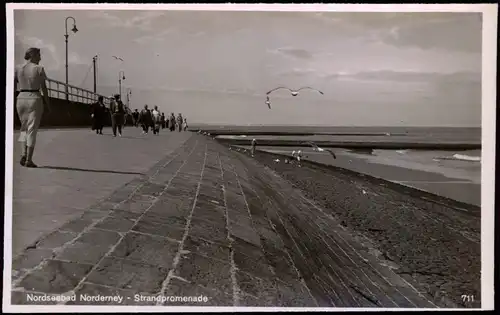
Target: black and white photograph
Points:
(225, 157)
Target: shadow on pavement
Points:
(88, 170)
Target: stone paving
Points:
(209, 222)
(77, 168)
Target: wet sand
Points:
(457, 180)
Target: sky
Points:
(375, 69)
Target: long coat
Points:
(99, 114)
(146, 118)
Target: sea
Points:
(459, 167)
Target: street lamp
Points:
(121, 76)
(94, 61)
(74, 29)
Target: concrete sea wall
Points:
(65, 114)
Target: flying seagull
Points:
(118, 58)
(316, 148)
(294, 92)
(268, 102)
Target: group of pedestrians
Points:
(147, 119)
(30, 80)
(99, 113)
(155, 120)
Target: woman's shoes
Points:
(30, 164)
(23, 160)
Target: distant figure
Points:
(145, 119)
(156, 120)
(298, 157)
(179, 122)
(135, 116)
(117, 110)
(185, 125)
(98, 114)
(172, 122)
(162, 120)
(30, 78)
(254, 147)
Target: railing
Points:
(57, 89)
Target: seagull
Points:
(316, 148)
(294, 92)
(268, 102)
(118, 58)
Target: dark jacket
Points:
(98, 111)
(145, 117)
(116, 107)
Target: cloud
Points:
(297, 72)
(74, 58)
(407, 76)
(456, 33)
(431, 30)
(201, 33)
(50, 57)
(154, 37)
(293, 52)
(142, 21)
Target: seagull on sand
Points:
(295, 92)
(316, 148)
(118, 58)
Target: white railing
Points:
(57, 89)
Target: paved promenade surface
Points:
(77, 168)
(202, 221)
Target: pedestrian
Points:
(162, 120)
(135, 117)
(30, 77)
(145, 119)
(117, 110)
(254, 147)
(156, 120)
(185, 124)
(172, 122)
(98, 115)
(179, 122)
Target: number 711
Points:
(467, 298)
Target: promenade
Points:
(181, 215)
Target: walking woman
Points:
(29, 79)
(179, 122)
(172, 122)
(98, 115)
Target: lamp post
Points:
(74, 29)
(121, 76)
(94, 61)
